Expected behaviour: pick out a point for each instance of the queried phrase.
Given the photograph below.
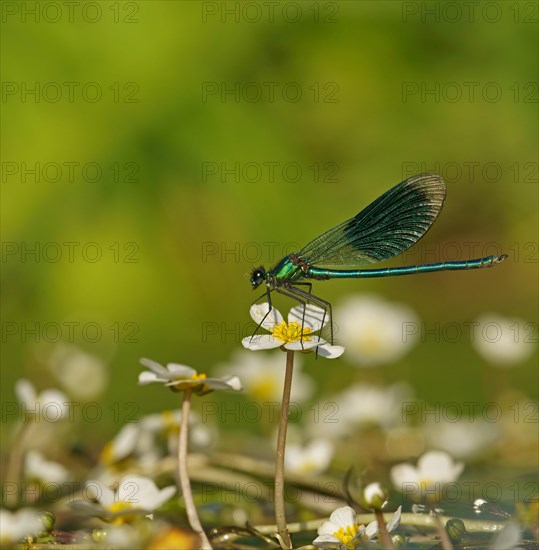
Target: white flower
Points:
(358, 405)
(82, 375)
(143, 441)
(465, 438)
(135, 496)
(314, 458)
(434, 470)
(123, 444)
(44, 471)
(262, 375)
(298, 334)
(181, 377)
(49, 405)
(375, 331)
(502, 341)
(343, 530)
(15, 526)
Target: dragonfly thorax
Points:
(258, 276)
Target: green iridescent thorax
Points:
(285, 270)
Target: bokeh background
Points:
(180, 144)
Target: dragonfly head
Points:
(258, 276)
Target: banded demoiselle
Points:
(387, 227)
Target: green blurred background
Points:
(380, 85)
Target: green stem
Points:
(16, 461)
(280, 518)
(384, 533)
(183, 474)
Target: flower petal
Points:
(56, 402)
(259, 314)
(508, 537)
(154, 366)
(216, 384)
(25, 392)
(395, 521)
(315, 317)
(139, 491)
(261, 341)
(403, 475)
(343, 517)
(147, 377)
(299, 346)
(180, 371)
(439, 466)
(164, 495)
(328, 528)
(330, 352)
(233, 382)
(326, 541)
(372, 529)
(102, 493)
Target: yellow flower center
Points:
(183, 383)
(430, 490)
(121, 507)
(291, 332)
(264, 389)
(170, 424)
(107, 454)
(346, 534)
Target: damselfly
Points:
(387, 227)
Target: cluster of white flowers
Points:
(372, 331)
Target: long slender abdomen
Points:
(489, 261)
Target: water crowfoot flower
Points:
(296, 334)
(262, 376)
(314, 458)
(44, 471)
(14, 526)
(135, 496)
(375, 331)
(499, 341)
(344, 532)
(180, 378)
(48, 406)
(426, 481)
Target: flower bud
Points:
(47, 519)
(374, 496)
(456, 530)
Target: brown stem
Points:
(280, 518)
(444, 537)
(16, 461)
(387, 543)
(183, 474)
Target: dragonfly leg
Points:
(308, 297)
(310, 286)
(288, 291)
(267, 294)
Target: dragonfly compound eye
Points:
(257, 277)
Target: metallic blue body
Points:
(317, 273)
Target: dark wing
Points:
(388, 226)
